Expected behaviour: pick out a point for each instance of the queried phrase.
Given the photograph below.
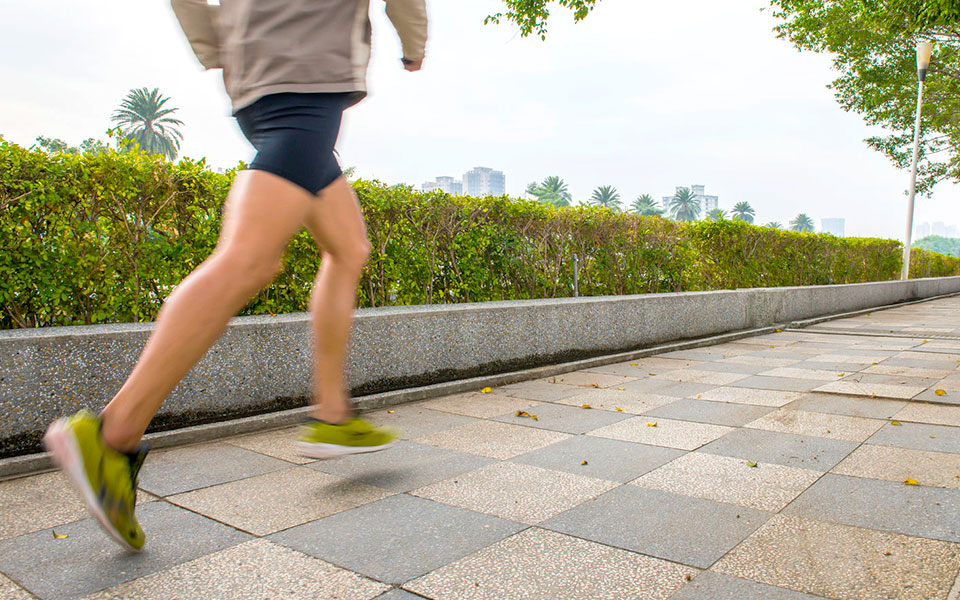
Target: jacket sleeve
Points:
(199, 23)
(409, 18)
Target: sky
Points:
(644, 96)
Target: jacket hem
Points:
(252, 96)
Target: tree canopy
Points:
(873, 46)
(606, 196)
(936, 243)
(552, 190)
(531, 15)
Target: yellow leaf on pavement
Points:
(840, 374)
(622, 389)
(941, 392)
(523, 413)
(486, 390)
(58, 536)
(619, 409)
(779, 331)
(583, 463)
(391, 412)
(909, 481)
(634, 364)
(585, 406)
(894, 422)
(751, 464)
(654, 424)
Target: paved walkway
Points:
(815, 464)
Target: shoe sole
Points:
(62, 445)
(334, 451)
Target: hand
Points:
(412, 65)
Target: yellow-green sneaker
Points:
(105, 478)
(354, 436)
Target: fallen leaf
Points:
(933, 437)
(888, 553)
(841, 374)
(699, 396)
(873, 363)
(619, 409)
(585, 406)
(634, 364)
(583, 463)
(940, 392)
(687, 577)
(909, 481)
(924, 342)
(752, 464)
(651, 374)
(654, 424)
(391, 412)
(772, 346)
(58, 536)
(894, 422)
(523, 413)
(486, 390)
(779, 331)
(622, 389)
(596, 385)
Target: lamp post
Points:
(924, 50)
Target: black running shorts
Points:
(294, 135)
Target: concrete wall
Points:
(263, 363)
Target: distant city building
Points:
(833, 226)
(952, 231)
(921, 231)
(483, 181)
(939, 228)
(707, 203)
(444, 184)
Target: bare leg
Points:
(262, 213)
(336, 224)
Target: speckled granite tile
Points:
(628, 401)
(714, 586)
(684, 435)
(801, 422)
(760, 397)
(935, 469)
(279, 443)
(481, 406)
(492, 439)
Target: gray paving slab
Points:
(835, 366)
(687, 530)
(913, 510)
(398, 538)
(851, 406)
(787, 384)
(404, 467)
(398, 594)
(608, 459)
(707, 411)
(920, 436)
(715, 586)
(416, 420)
(938, 394)
(758, 445)
(666, 387)
(732, 367)
(568, 419)
(87, 561)
(192, 467)
(540, 390)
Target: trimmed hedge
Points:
(104, 238)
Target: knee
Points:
(251, 272)
(353, 255)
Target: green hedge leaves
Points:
(104, 239)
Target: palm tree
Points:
(774, 225)
(143, 120)
(717, 214)
(801, 223)
(743, 211)
(606, 196)
(552, 190)
(644, 206)
(684, 206)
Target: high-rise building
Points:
(707, 203)
(444, 184)
(833, 226)
(921, 231)
(939, 228)
(483, 181)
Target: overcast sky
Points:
(644, 96)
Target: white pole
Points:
(905, 273)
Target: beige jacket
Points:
(272, 46)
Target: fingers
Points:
(412, 65)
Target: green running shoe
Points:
(105, 478)
(354, 436)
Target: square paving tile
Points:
(188, 468)
(786, 384)
(279, 573)
(684, 435)
(714, 586)
(706, 411)
(700, 354)
(404, 467)
(29, 504)
(884, 505)
(938, 438)
(481, 406)
(877, 390)
(11, 591)
(544, 565)
(492, 439)
(808, 373)
(630, 369)
(397, 538)
(279, 443)
(722, 366)
(935, 469)
(947, 396)
(569, 419)
(851, 406)
(760, 397)
(931, 414)
(830, 366)
(759, 446)
(662, 363)
(629, 401)
(908, 371)
(515, 491)
(612, 460)
(766, 486)
(760, 360)
(274, 501)
(666, 387)
(590, 379)
(539, 390)
(687, 530)
(413, 420)
(701, 376)
(87, 560)
(842, 562)
(802, 422)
